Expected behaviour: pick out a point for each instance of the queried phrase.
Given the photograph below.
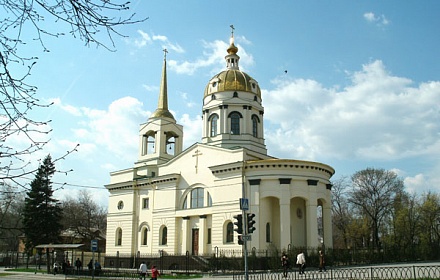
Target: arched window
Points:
(235, 123)
(255, 121)
(209, 200)
(197, 198)
(267, 232)
(148, 140)
(163, 236)
(229, 233)
(185, 203)
(145, 236)
(213, 123)
(119, 237)
(170, 147)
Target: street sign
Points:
(94, 245)
(247, 237)
(244, 204)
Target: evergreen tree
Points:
(42, 213)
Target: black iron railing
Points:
(352, 273)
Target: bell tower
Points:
(160, 138)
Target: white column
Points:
(185, 229)
(254, 207)
(225, 125)
(312, 223)
(205, 129)
(284, 220)
(245, 122)
(202, 235)
(327, 224)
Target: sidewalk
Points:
(28, 275)
(13, 275)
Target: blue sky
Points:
(362, 87)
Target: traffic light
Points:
(250, 222)
(240, 239)
(238, 223)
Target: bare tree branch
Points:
(92, 21)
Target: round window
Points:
(120, 205)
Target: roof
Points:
(59, 246)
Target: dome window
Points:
(214, 84)
(213, 97)
(255, 98)
(235, 94)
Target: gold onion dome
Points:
(232, 79)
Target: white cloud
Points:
(188, 102)
(377, 117)
(146, 39)
(192, 129)
(414, 184)
(213, 58)
(143, 40)
(379, 20)
(150, 88)
(113, 130)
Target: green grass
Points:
(30, 269)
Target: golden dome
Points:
(232, 80)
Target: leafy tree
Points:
(373, 193)
(42, 213)
(91, 20)
(84, 216)
(404, 226)
(430, 223)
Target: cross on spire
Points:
(165, 51)
(232, 30)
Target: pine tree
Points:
(42, 213)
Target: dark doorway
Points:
(195, 241)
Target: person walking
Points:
(154, 273)
(285, 264)
(321, 261)
(301, 262)
(143, 270)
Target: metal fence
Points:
(353, 273)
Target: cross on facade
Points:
(197, 154)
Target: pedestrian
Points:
(285, 264)
(301, 262)
(97, 268)
(321, 261)
(90, 267)
(143, 270)
(154, 273)
(78, 265)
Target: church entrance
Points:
(195, 241)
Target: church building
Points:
(182, 201)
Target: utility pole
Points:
(244, 205)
